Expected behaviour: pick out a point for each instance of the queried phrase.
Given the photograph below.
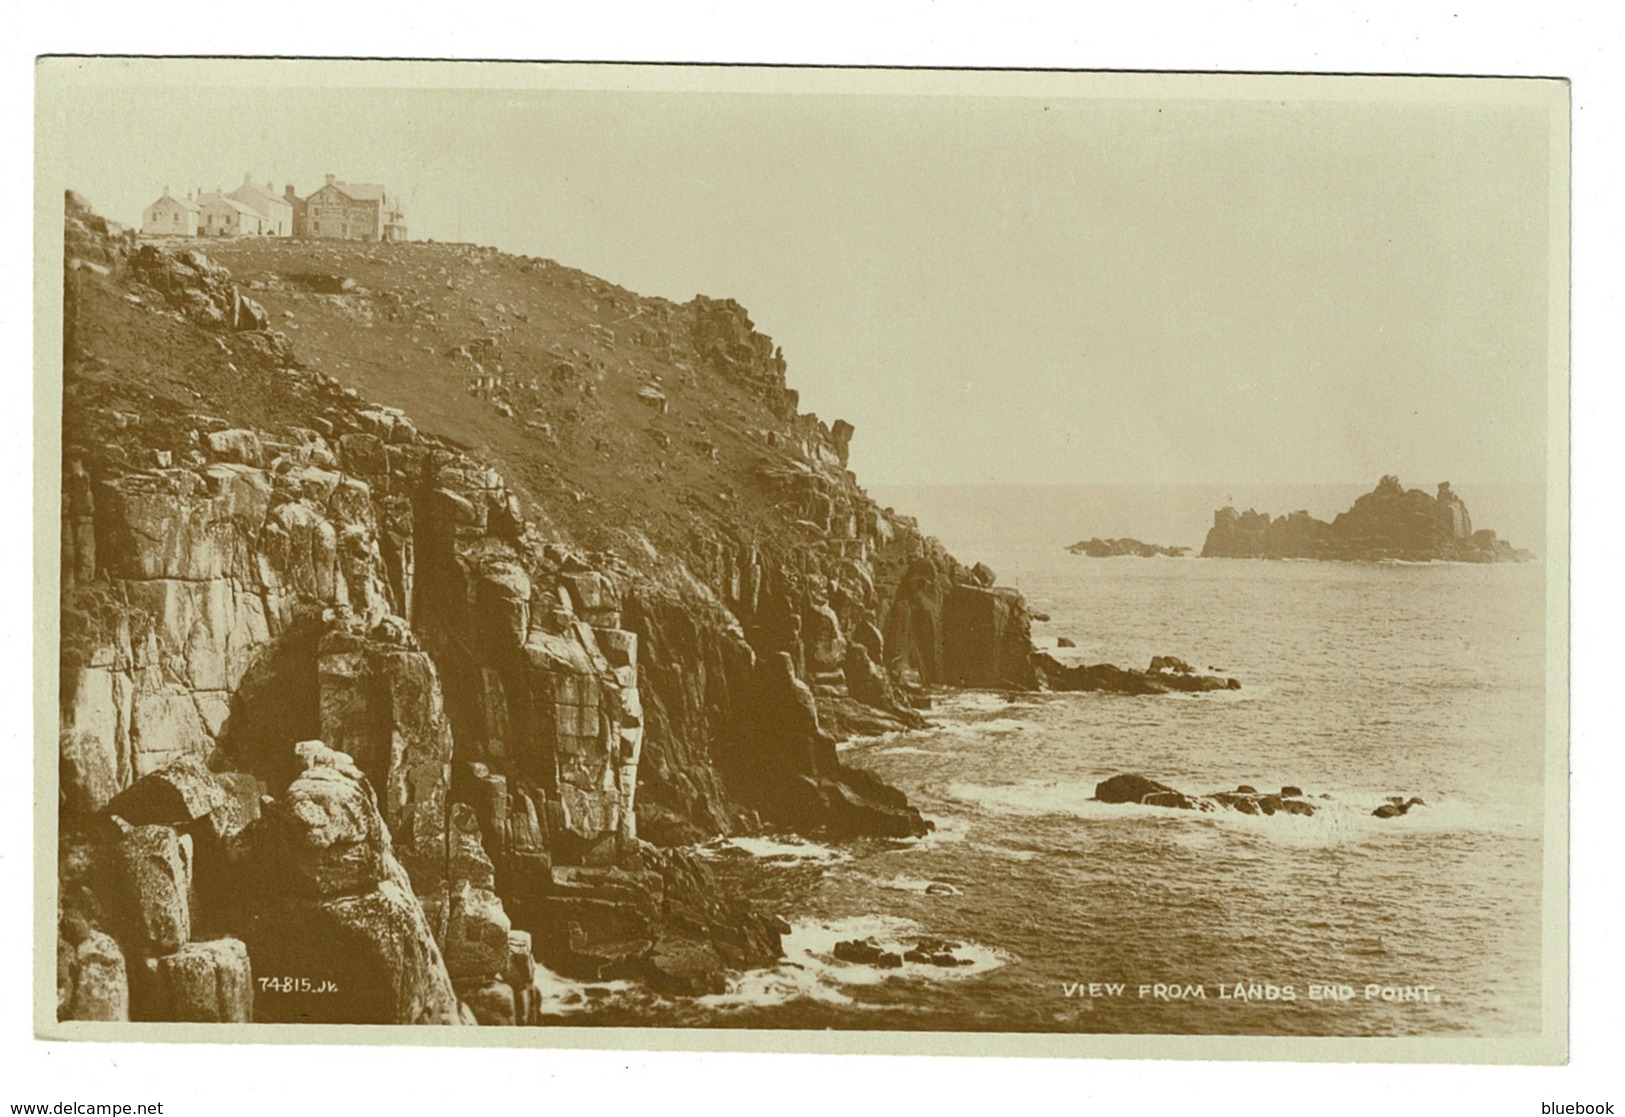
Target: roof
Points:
(260, 199)
(356, 191)
(228, 200)
(177, 201)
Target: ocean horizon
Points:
(971, 518)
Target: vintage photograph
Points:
(591, 549)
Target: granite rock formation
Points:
(1116, 548)
(382, 716)
(1390, 522)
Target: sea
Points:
(1359, 681)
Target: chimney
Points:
(331, 179)
(166, 190)
(248, 178)
(287, 192)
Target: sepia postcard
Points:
(797, 559)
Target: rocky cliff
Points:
(1390, 522)
(420, 603)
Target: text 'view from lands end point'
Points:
(1050, 612)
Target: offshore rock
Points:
(1137, 789)
(1115, 548)
(1162, 677)
(1390, 522)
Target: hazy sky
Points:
(1037, 288)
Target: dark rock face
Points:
(1390, 522)
(1117, 548)
(1164, 676)
(1137, 789)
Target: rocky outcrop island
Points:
(1118, 548)
(1390, 522)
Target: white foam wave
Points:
(781, 848)
(917, 885)
(969, 702)
(563, 996)
(948, 830)
(984, 728)
(811, 971)
(870, 742)
(1346, 816)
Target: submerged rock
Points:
(867, 952)
(1133, 788)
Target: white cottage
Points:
(221, 215)
(170, 217)
(274, 210)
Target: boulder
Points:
(477, 931)
(369, 958)
(683, 967)
(493, 1004)
(152, 867)
(202, 982)
(179, 793)
(92, 981)
(332, 839)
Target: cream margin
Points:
(59, 80)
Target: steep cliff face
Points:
(341, 700)
(1390, 522)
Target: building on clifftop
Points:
(170, 217)
(275, 213)
(354, 211)
(221, 215)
